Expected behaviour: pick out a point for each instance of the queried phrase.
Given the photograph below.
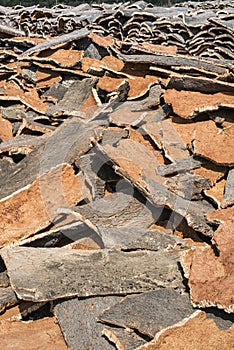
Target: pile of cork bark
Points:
(117, 177)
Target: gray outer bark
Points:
(41, 274)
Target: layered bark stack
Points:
(117, 177)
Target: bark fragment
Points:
(125, 272)
(149, 312)
(84, 331)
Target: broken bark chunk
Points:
(64, 58)
(214, 144)
(73, 99)
(198, 102)
(73, 140)
(210, 276)
(228, 198)
(126, 272)
(188, 186)
(57, 42)
(216, 192)
(44, 333)
(7, 298)
(149, 312)
(124, 339)
(83, 332)
(179, 166)
(117, 210)
(20, 218)
(200, 84)
(148, 183)
(196, 331)
(5, 129)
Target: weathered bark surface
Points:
(198, 102)
(117, 210)
(213, 145)
(175, 61)
(196, 332)
(73, 99)
(124, 339)
(210, 276)
(188, 186)
(86, 273)
(228, 198)
(179, 166)
(71, 138)
(150, 312)
(77, 319)
(154, 240)
(57, 42)
(44, 334)
(7, 298)
(35, 206)
(200, 84)
(4, 280)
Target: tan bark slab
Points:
(88, 63)
(159, 48)
(196, 332)
(212, 144)
(166, 137)
(137, 137)
(29, 98)
(109, 84)
(216, 192)
(34, 335)
(221, 215)
(211, 172)
(112, 62)
(135, 159)
(5, 129)
(140, 86)
(34, 207)
(46, 78)
(198, 102)
(210, 277)
(106, 41)
(184, 129)
(64, 58)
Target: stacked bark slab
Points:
(117, 177)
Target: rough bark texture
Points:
(100, 273)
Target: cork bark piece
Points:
(57, 42)
(44, 333)
(29, 98)
(5, 129)
(199, 102)
(195, 332)
(46, 78)
(210, 276)
(149, 312)
(20, 217)
(7, 298)
(213, 145)
(84, 331)
(87, 273)
(73, 140)
(124, 339)
(63, 58)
